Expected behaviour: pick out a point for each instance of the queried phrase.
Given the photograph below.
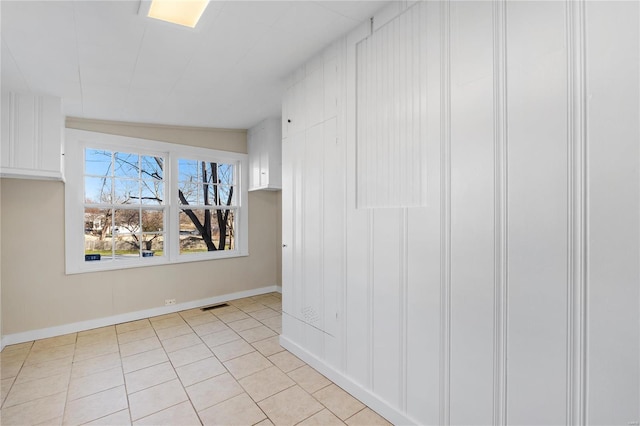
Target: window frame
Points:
(75, 144)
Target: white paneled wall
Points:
(509, 293)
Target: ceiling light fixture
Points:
(181, 12)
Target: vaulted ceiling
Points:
(106, 61)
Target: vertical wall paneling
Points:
(471, 190)
(389, 158)
(537, 204)
(510, 294)
(613, 202)
(500, 304)
(576, 308)
(445, 217)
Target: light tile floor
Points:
(218, 367)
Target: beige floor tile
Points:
(188, 355)
(98, 349)
(203, 318)
(258, 333)
(200, 370)
(106, 337)
(274, 323)
(119, 418)
(290, 406)
(101, 330)
(286, 361)
(34, 389)
(10, 368)
(181, 342)
(168, 333)
(252, 307)
(265, 422)
(309, 379)
(212, 391)
(232, 350)
(156, 398)
(144, 360)
(92, 407)
(87, 385)
(148, 377)
(323, 418)
(182, 414)
(52, 342)
(164, 317)
(192, 313)
(244, 324)
(210, 327)
(34, 412)
(26, 346)
(338, 401)
(367, 417)
(136, 335)
(232, 316)
(241, 302)
(277, 306)
(168, 322)
(133, 325)
(239, 410)
(49, 354)
(265, 383)
(44, 369)
(13, 356)
(248, 364)
(264, 314)
(5, 386)
(95, 365)
(220, 338)
(269, 346)
(53, 422)
(139, 346)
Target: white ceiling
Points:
(108, 62)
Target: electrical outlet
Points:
(168, 302)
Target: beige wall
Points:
(37, 294)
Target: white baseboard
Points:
(43, 333)
(364, 395)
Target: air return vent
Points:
(208, 308)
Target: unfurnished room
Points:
(320, 212)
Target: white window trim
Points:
(77, 140)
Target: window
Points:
(133, 202)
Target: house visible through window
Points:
(160, 203)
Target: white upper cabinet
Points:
(264, 143)
(32, 137)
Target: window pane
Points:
(126, 222)
(188, 170)
(97, 233)
(225, 195)
(152, 221)
(152, 167)
(152, 245)
(190, 193)
(97, 190)
(97, 162)
(211, 222)
(126, 191)
(152, 192)
(225, 174)
(126, 165)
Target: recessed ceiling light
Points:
(181, 12)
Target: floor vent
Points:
(208, 308)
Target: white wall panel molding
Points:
(577, 220)
(500, 214)
(445, 214)
(390, 155)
